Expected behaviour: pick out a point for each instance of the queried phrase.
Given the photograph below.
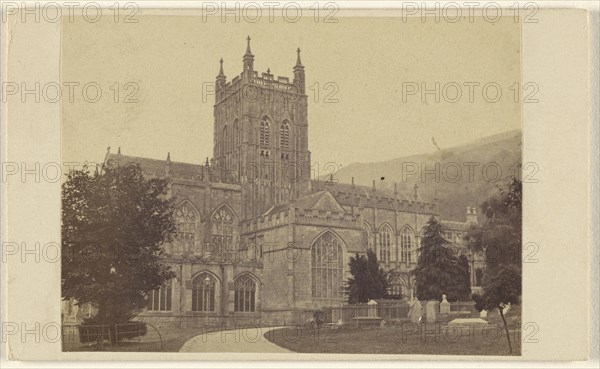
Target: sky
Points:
(152, 75)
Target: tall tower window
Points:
(226, 140)
(284, 135)
(327, 267)
(407, 245)
(236, 135)
(385, 243)
(265, 127)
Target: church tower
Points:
(261, 135)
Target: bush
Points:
(91, 331)
(319, 317)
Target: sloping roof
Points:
(156, 166)
(339, 187)
(327, 202)
(322, 200)
(455, 226)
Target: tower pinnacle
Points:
(248, 58)
(248, 51)
(298, 61)
(221, 68)
(221, 79)
(299, 74)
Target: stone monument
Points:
(372, 311)
(430, 311)
(444, 306)
(415, 311)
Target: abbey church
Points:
(257, 238)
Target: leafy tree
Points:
(368, 280)
(499, 237)
(438, 270)
(113, 226)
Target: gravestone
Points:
(468, 321)
(444, 306)
(372, 311)
(415, 311)
(483, 314)
(430, 311)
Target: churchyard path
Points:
(235, 340)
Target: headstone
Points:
(414, 313)
(444, 306)
(506, 309)
(468, 321)
(483, 314)
(430, 311)
(372, 311)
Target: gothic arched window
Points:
(396, 286)
(203, 292)
(265, 128)
(185, 220)
(327, 267)
(385, 243)
(284, 135)
(407, 245)
(222, 229)
(245, 294)
(368, 235)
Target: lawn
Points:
(404, 338)
(172, 340)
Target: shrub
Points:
(91, 331)
(319, 317)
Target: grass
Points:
(405, 338)
(172, 341)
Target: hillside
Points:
(453, 194)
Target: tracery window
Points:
(396, 286)
(407, 245)
(385, 243)
(245, 294)
(222, 229)
(203, 292)
(327, 267)
(185, 220)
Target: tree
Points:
(438, 270)
(368, 280)
(113, 226)
(500, 239)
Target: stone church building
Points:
(257, 238)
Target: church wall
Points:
(277, 291)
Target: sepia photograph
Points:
(293, 187)
(310, 184)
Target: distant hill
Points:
(498, 151)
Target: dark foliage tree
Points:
(113, 226)
(368, 280)
(499, 237)
(438, 270)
